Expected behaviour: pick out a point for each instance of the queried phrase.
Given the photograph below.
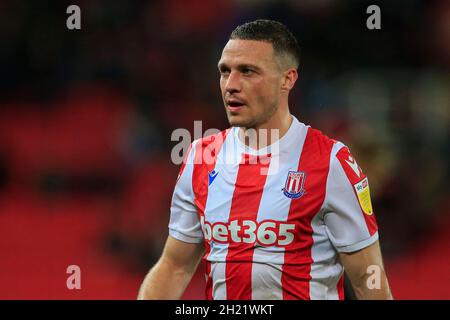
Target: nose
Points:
(233, 83)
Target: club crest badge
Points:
(294, 186)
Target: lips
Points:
(234, 104)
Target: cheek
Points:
(265, 92)
(222, 84)
(257, 88)
(273, 89)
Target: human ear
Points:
(290, 76)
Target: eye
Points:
(224, 71)
(247, 71)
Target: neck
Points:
(269, 132)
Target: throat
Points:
(263, 136)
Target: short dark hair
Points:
(282, 40)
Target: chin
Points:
(238, 121)
(245, 123)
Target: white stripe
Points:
(217, 209)
(184, 224)
(267, 262)
(336, 147)
(219, 288)
(325, 270)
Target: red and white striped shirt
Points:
(273, 220)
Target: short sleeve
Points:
(349, 218)
(184, 223)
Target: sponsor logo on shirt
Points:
(363, 192)
(265, 233)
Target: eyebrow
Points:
(239, 66)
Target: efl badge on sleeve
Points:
(363, 192)
(294, 187)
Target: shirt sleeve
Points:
(349, 218)
(184, 223)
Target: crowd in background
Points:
(88, 114)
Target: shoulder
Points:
(336, 151)
(320, 142)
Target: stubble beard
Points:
(256, 121)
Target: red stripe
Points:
(291, 184)
(295, 185)
(208, 290)
(206, 151)
(314, 161)
(247, 195)
(340, 287)
(371, 223)
(342, 155)
(288, 183)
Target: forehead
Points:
(238, 51)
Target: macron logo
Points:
(211, 176)
(352, 163)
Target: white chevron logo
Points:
(352, 163)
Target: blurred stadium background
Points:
(86, 118)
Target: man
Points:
(274, 219)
